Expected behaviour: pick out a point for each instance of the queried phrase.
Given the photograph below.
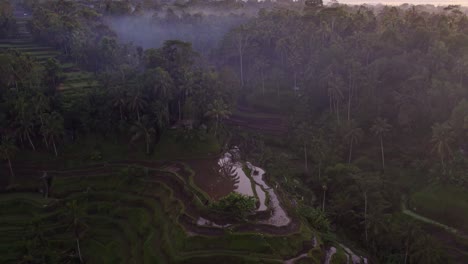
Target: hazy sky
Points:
(399, 2)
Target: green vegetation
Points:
(142, 211)
(235, 205)
(446, 204)
(346, 108)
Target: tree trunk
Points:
(295, 83)
(30, 142)
(263, 84)
(43, 136)
(79, 249)
(349, 109)
(383, 155)
(121, 114)
(443, 164)
(147, 144)
(323, 201)
(46, 142)
(55, 148)
(241, 61)
(350, 151)
(180, 112)
(12, 174)
(349, 103)
(305, 157)
(216, 125)
(365, 216)
(320, 170)
(46, 187)
(337, 105)
(138, 114)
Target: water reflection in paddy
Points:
(208, 178)
(220, 177)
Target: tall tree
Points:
(7, 151)
(41, 105)
(53, 128)
(76, 214)
(380, 128)
(120, 101)
(442, 138)
(143, 129)
(353, 135)
(304, 134)
(218, 110)
(137, 103)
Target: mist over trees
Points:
(374, 99)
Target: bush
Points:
(316, 218)
(235, 205)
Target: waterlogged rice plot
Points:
(228, 175)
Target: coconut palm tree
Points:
(41, 105)
(319, 150)
(24, 129)
(161, 112)
(76, 214)
(304, 134)
(442, 138)
(335, 86)
(7, 151)
(137, 103)
(143, 129)
(380, 128)
(219, 111)
(53, 128)
(353, 135)
(119, 101)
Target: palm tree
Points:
(143, 129)
(77, 214)
(137, 104)
(442, 138)
(163, 84)
(119, 101)
(41, 105)
(21, 107)
(24, 130)
(319, 149)
(219, 111)
(7, 150)
(354, 135)
(380, 128)
(260, 66)
(161, 113)
(305, 137)
(335, 93)
(53, 128)
(242, 40)
(324, 188)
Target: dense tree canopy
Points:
(371, 96)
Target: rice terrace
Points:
(228, 131)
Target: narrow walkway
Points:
(424, 219)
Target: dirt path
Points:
(419, 217)
(454, 239)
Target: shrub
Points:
(235, 205)
(316, 218)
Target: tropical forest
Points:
(233, 131)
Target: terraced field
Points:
(140, 213)
(74, 78)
